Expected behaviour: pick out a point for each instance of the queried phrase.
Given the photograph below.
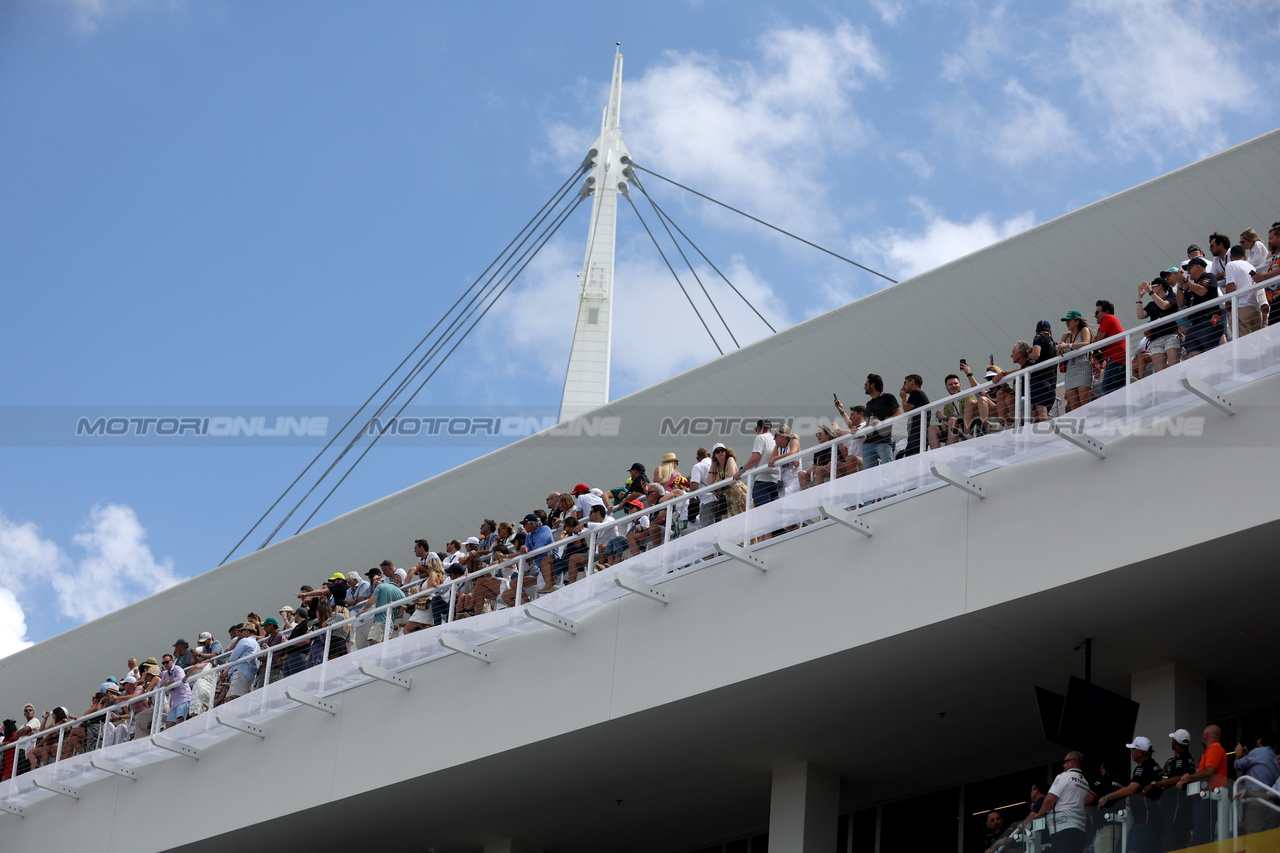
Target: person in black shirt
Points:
(1146, 835)
(1044, 383)
(913, 398)
(1164, 348)
(1107, 838)
(1198, 288)
(1177, 809)
(877, 448)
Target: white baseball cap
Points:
(1181, 736)
(1142, 744)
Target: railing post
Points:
(515, 602)
(591, 551)
(1128, 362)
(58, 754)
(453, 601)
(266, 677)
(157, 709)
(666, 522)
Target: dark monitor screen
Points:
(1096, 718)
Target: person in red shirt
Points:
(1108, 325)
(1213, 767)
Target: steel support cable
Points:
(530, 226)
(694, 272)
(673, 274)
(418, 368)
(761, 221)
(440, 364)
(667, 216)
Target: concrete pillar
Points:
(509, 845)
(804, 809)
(1170, 697)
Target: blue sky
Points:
(223, 205)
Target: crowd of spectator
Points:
(492, 568)
(1080, 811)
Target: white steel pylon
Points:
(586, 385)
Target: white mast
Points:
(586, 386)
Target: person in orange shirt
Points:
(1213, 767)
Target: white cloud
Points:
(755, 134)
(940, 240)
(888, 10)
(1147, 67)
(988, 40)
(25, 558)
(1031, 129)
(117, 569)
(917, 162)
(13, 625)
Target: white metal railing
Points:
(1248, 790)
(1155, 396)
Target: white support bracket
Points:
(736, 552)
(304, 698)
(960, 481)
(240, 725)
(57, 788)
(449, 641)
(546, 617)
(18, 810)
(1085, 442)
(843, 516)
(639, 587)
(108, 766)
(385, 675)
(175, 746)
(1208, 393)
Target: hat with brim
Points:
(1073, 315)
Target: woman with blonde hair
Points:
(667, 474)
(432, 571)
(1078, 377)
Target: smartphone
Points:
(991, 359)
(964, 362)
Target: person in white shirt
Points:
(1251, 308)
(698, 478)
(1064, 805)
(585, 498)
(1255, 250)
(765, 488)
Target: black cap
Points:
(1198, 259)
(531, 517)
(764, 423)
(453, 569)
(181, 643)
(636, 466)
(374, 571)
